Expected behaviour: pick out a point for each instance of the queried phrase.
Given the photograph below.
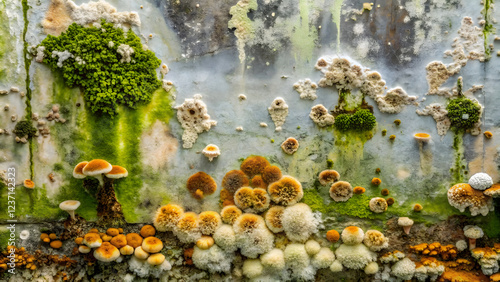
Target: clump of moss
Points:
(397, 122)
(463, 113)
(24, 128)
(361, 120)
(329, 163)
(392, 137)
(384, 132)
(88, 57)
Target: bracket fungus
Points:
(462, 196)
(70, 206)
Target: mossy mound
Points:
(361, 120)
(463, 113)
(110, 65)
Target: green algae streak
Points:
(304, 35)
(243, 24)
(336, 11)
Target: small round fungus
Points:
(208, 222)
(230, 213)
(147, 231)
(473, 232)
(106, 252)
(341, 191)
(390, 201)
(371, 268)
(28, 183)
(167, 217)
(56, 244)
(248, 222)
(286, 191)
(234, 180)
(127, 250)
(134, 240)
(354, 256)
(258, 182)
(332, 235)
(187, 230)
(201, 182)
(84, 249)
(376, 181)
(78, 170)
(225, 238)
(113, 231)
(480, 181)
(140, 253)
(156, 259)
(403, 269)
(336, 266)
(328, 176)
(70, 206)
(299, 222)
(273, 218)
(152, 245)
(488, 134)
(358, 190)
(323, 259)
(378, 205)
(312, 247)
(252, 268)
(417, 207)
(211, 151)
(92, 240)
(271, 174)
(375, 240)
(384, 192)
(205, 242)
(290, 145)
(296, 256)
(254, 165)
(274, 260)
(352, 235)
(119, 241)
(244, 198)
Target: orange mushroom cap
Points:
(78, 170)
(97, 167)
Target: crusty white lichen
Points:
(439, 114)
(126, 52)
(92, 12)
(320, 116)
(278, 111)
(62, 56)
(194, 119)
(244, 30)
(306, 88)
(394, 101)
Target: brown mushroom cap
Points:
(254, 165)
(271, 174)
(147, 231)
(152, 245)
(106, 252)
(205, 242)
(78, 170)
(234, 180)
(97, 167)
(117, 172)
(341, 191)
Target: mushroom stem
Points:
(72, 214)
(407, 229)
(472, 243)
(101, 181)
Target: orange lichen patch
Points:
(358, 190)
(488, 134)
(52, 236)
(286, 191)
(244, 198)
(93, 230)
(422, 135)
(230, 213)
(417, 207)
(79, 240)
(390, 201)
(234, 180)
(147, 231)
(119, 241)
(46, 240)
(384, 192)
(446, 252)
(271, 174)
(44, 236)
(106, 238)
(228, 202)
(188, 255)
(225, 195)
(495, 277)
(134, 240)
(258, 182)
(462, 276)
(254, 165)
(203, 182)
(28, 183)
(209, 221)
(486, 252)
(112, 231)
(120, 230)
(419, 248)
(166, 217)
(56, 244)
(328, 176)
(493, 191)
(376, 181)
(332, 235)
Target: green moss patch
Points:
(463, 113)
(94, 63)
(361, 120)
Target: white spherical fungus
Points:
(371, 268)
(252, 268)
(312, 247)
(274, 259)
(480, 181)
(352, 235)
(336, 266)
(355, 256)
(213, 260)
(299, 222)
(404, 269)
(225, 238)
(296, 256)
(323, 259)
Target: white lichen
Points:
(93, 12)
(194, 119)
(306, 88)
(126, 52)
(278, 111)
(320, 116)
(439, 114)
(394, 101)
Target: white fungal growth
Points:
(164, 69)
(278, 111)
(63, 56)
(194, 119)
(320, 116)
(403, 269)
(93, 12)
(306, 89)
(299, 222)
(394, 101)
(126, 52)
(355, 256)
(439, 114)
(480, 181)
(213, 259)
(40, 53)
